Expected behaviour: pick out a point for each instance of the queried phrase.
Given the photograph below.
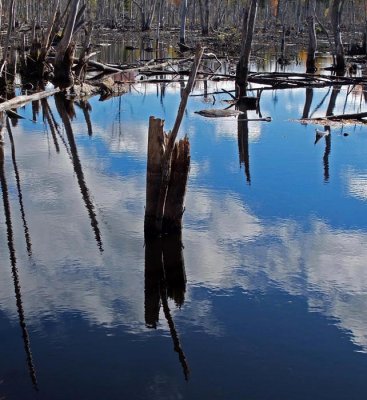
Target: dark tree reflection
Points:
(165, 278)
(326, 157)
(243, 142)
(66, 111)
(19, 190)
(308, 102)
(13, 263)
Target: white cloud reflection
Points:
(357, 184)
(226, 246)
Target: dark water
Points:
(265, 300)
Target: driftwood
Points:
(21, 100)
(78, 91)
(215, 113)
(118, 73)
(341, 117)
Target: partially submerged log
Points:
(219, 113)
(76, 91)
(361, 117)
(22, 100)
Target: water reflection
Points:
(165, 277)
(308, 102)
(66, 111)
(86, 108)
(19, 189)
(332, 101)
(13, 259)
(357, 184)
(243, 244)
(48, 117)
(326, 157)
(243, 142)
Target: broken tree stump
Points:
(156, 146)
(177, 171)
(174, 205)
(168, 166)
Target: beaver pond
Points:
(263, 296)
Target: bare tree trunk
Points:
(247, 34)
(183, 21)
(336, 12)
(10, 24)
(65, 50)
(1, 12)
(204, 16)
(312, 42)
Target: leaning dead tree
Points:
(167, 169)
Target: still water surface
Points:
(267, 296)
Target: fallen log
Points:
(215, 113)
(118, 75)
(340, 117)
(21, 100)
(228, 113)
(357, 116)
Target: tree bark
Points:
(167, 168)
(204, 16)
(183, 22)
(312, 41)
(336, 13)
(246, 43)
(65, 50)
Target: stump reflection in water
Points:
(165, 278)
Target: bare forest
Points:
(58, 40)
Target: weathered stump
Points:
(63, 76)
(158, 171)
(167, 168)
(174, 206)
(156, 147)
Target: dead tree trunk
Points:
(35, 66)
(204, 16)
(174, 206)
(183, 22)
(65, 50)
(246, 43)
(3, 70)
(312, 42)
(167, 169)
(170, 220)
(335, 16)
